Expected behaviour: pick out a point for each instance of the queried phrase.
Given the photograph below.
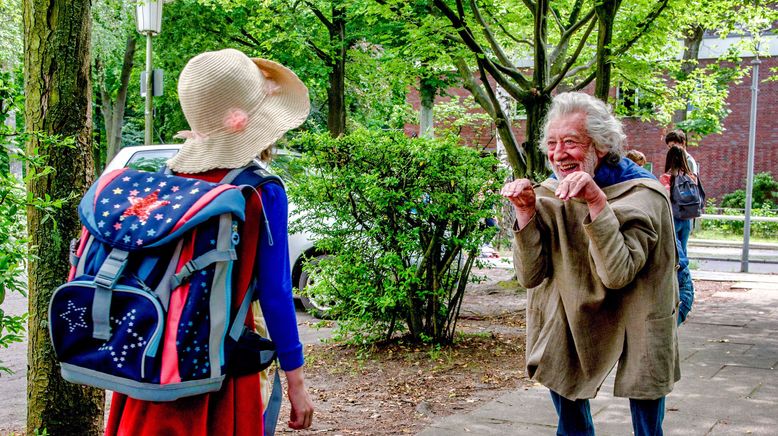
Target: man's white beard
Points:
(588, 165)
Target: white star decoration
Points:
(78, 321)
(119, 357)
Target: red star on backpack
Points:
(142, 207)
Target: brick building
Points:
(722, 157)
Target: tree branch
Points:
(498, 50)
(572, 58)
(581, 85)
(557, 20)
(578, 69)
(321, 54)
(327, 23)
(561, 48)
(505, 31)
(574, 12)
(642, 28)
(467, 37)
(244, 32)
(476, 89)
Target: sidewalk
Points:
(729, 383)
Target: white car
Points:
(301, 249)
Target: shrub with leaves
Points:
(14, 201)
(402, 219)
(764, 194)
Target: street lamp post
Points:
(148, 17)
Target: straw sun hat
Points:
(236, 107)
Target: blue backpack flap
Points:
(145, 310)
(686, 197)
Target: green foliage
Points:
(10, 31)
(14, 201)
(763, 195)
(459, 113)
(759, 229)
(763, 203)
(402, 218)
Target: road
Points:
(725, 256)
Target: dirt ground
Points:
(401, 389)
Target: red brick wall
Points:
(722, 158)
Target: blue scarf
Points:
(608, 174)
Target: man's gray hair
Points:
(605, 130)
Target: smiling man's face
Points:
(570, 148)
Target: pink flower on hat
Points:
(236, 120)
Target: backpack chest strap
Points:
(105, 280)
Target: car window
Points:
(150, 160)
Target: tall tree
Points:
(561, 35)
(58, 116)
(114, 43)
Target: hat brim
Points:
(286, 107)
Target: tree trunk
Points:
(537, 107)
(691, 44)
(113, 126)
(606, 15)
(58, 102)
(427, 91)
(336, 93)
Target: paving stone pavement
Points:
(729, 383)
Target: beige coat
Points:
(601, 292)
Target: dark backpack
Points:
(146, 309)
(687, 197)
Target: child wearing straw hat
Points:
(237, 108)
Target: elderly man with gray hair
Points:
(595, 247)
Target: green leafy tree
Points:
(403, 219)
(13, 243)
(114, 42)
(571, 44)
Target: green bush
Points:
(402, 219)
(764, 194)
(14, 201)
(725, 227)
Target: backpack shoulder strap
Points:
(253, 174)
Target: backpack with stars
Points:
(146, 309)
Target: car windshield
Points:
(285, 163)
(150, 160)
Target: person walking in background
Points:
(237, 108)
(595, 248)
(677, 138)
(676, 164)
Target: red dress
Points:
(236, 409)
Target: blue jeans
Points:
(575, 417)
(686, 292)
(683, 228)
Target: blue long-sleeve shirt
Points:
(274, 279)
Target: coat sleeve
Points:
(620, 241)
(530, 257)
(274, 279)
